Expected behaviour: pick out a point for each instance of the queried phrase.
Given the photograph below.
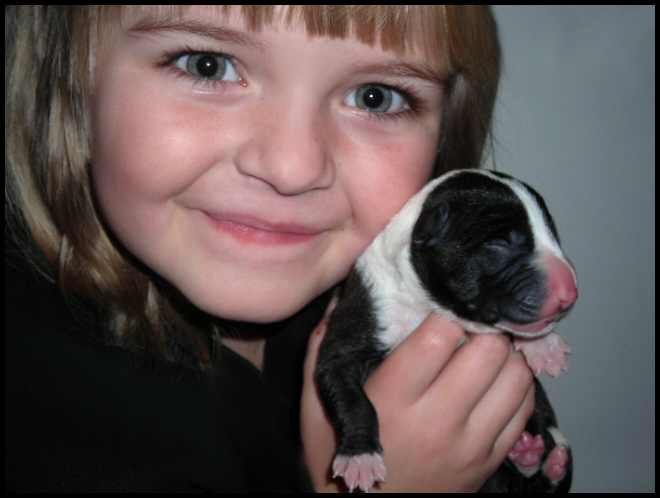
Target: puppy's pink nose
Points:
(561, 286)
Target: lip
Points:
(535, 329)
(251, 229)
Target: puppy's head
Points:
(485, 247)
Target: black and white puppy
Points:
(480, 248)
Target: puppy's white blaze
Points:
(543, 238)
(544, 241)
(385, 267)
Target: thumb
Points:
(317, 433)
(316, 339)
(313, 346)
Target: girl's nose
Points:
(287, 150)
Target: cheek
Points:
(147, 149)
(398, 169)
(138, 146)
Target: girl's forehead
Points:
(399, 29)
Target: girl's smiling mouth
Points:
(250, 229)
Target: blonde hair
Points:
(50, 63)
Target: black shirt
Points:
(81, 415)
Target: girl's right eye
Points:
(207, 66)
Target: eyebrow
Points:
(405, 69)
(198, 28)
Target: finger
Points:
(503, 400)
(311, 409)
(316, 338)
(317, 433)
(413, 366)
(472, 371)
(313, 345)
(513, 430)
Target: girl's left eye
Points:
(208, 66)
(376, 98)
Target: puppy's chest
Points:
(397, 318)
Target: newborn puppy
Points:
(481, 249)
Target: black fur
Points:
(347, 361)
(473, 250)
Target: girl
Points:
(196, 181)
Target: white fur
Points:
(527, 471)
(558, 436)
(401, 300)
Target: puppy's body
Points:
(481, 249)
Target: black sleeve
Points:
(81, 415)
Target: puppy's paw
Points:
(544, 354)
(555, 464)
(360, 471)
(527, 453)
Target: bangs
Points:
(399, 29)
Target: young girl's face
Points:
(250, 169)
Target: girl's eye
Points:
(375, 98)
(208, 66)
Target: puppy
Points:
(481, 249)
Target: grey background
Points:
(576, 120)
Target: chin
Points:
(266, 309)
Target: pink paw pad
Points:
(528, 450)
(555, 465)
(360, 471)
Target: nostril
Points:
(565, 306)
(568, 299)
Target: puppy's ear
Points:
(432, 225)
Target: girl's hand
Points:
(448, 418)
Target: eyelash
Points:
(415, 105)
